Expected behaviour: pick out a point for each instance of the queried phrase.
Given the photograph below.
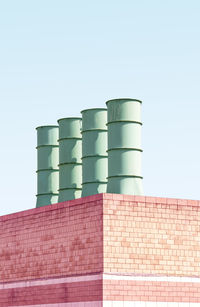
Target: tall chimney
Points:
(70, 163)
(47, 165)
(94, 151)
(124, 146)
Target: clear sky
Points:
(60, 57)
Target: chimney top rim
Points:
(63, 118)
(127, 99)
(47, 126)
(92, 109)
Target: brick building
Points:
(102, 250)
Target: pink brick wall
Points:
(147, 235)
(57, 254)
(151, 291)
(56, 240)
(52, 293)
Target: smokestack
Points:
(124, 146)
(94, 151)
(70, 163)
(47, 165)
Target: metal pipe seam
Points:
(126, 99)
(47, 194)
(69, 138)
(39, 146)
(83, 131)
(95, 181)
(125, 176)
(90, 156)
(47, 169)
(122, 148)
(63, 189)
(71, 163)
(124, 121)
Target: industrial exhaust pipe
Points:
(94, 151)
(70, 163)
(124, 146)
(47, 165)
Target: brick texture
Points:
(152, 236)
(150, 291)
(106, 233)
(51, 294)
(56, 240)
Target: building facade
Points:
(102, 250)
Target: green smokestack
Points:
(70, 163)
(124, 146)
(94, 151)
(47, 165)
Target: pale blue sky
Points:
(59, 57)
